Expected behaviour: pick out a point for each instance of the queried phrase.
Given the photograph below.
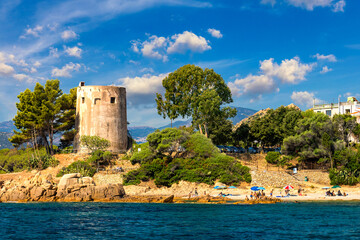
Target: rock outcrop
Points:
(70, 188)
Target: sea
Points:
(310, 220)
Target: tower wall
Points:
(101, 111)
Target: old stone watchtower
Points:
(101, 111)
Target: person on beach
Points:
(251, 195)
(190, 194)
(196, 193)
(271, 193)
(246, 198)
(339, 193)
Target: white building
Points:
(351, 106)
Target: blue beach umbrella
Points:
(261, 188)
(231, 187)
(255, 188)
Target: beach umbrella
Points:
(219, 187)
(288, 187)
(261, 188)
(255, 188)
(336, 186)
(325, 187)
(231, 187)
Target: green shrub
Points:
(82, 167)
(142, 156)
(18, 160)
(273, 157)
(202, 162)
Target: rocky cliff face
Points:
(70, 188)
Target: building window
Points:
(83, 100)
(328, 112)
(347, 111)
(96, 100)
(112, 100)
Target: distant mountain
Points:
(4, 142)
(138, 133)
(242, 113)
(7, 126)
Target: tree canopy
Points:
(42, 113)
(193, 92)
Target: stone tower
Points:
(101, 111)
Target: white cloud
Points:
(37, 64)
(325, 69)
(32, 31)
(6, 70)
(23, 77)
(142, 90)
(271, 2)
(339, 6)
(153, 47)
(66, 70)
(68, 35)
(310, 4)
(253, 85)
(53, 52)
(74, 51)
(304, 98)
(330, 57)
(158, 47)
(147, 70)
(270, 77)
(215, 33)
(289, 71)
(188, 41)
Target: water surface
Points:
(179, 221)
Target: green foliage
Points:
(199, 161)
(242, 136)
(82, 167)
(271, 128)
(315, 138)
(199, 146)
(192, 91)
(168, 140)
(142, 156)
(18, 160)
(41, 114)
(273, 157)
(99, 157)
(94, 143)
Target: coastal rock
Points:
(71, 188)
(168, 199)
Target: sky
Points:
(269, 52)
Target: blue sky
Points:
(270, 52)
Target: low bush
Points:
(273, 157)
(185, 157)
(18, 160)
(82, 167)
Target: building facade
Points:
(101, 111)
(351, 106)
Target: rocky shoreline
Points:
(75, 188)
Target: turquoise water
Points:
(179, 221)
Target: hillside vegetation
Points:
(174, 154)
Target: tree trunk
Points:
(331, 162)
(200, 129)
(51, 138)
(206, 131)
